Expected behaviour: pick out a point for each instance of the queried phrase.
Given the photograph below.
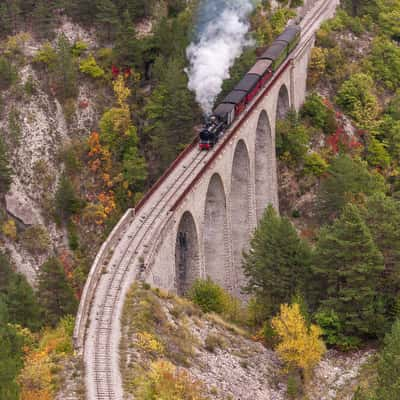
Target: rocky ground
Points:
(220, 355)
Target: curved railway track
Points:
(99, 328)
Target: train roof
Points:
(235, 97)
(274, 51)
(260, 67)
(289, 34)
(223, 109)
(248, 82)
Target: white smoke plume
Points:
(221, 37)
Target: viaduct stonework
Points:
(196, 221)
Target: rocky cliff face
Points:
(36, 127)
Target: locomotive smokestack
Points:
(222, 28)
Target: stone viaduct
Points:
(195, 221)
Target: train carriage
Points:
(249, 84)
(262, 68)
(276, 53)
(238, 98)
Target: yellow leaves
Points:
(317, 65)
(36, 378)
(121, 92)
(149, 342)
(10, 229)
(164, 381)
(300, 346)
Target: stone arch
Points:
(187, 254)
(240, 209)
(215, 232)
(283, 104)
(265, 166)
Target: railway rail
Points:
(128, 250)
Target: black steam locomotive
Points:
(247, 89)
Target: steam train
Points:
(245, 91)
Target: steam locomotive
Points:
(245, 91)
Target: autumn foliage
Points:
(300, 345)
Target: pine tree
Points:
(23, 307)
(382, 216)
(43, 19)
(389, 366)
(65, 69)
(277, 265)
(66, 201)
(55, 293)
(348, 266)
(346, 179)
(5, 170)
(11, 356)
(107, 17)
(172, 113)
(128, 48)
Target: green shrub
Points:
(384, 62)
(30, 86)
(78, 48)
(209, 296)
(8, 73)
(319, 115)
(35, 239)
(292, 139)
(332, 329)
(90, 67)
(314, 164)
(356, 98)
(47, 55)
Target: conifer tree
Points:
(346, 179)
(55, 293)
(5, 170)
(172, 113)
(277, 265)
(65, 69)
(382, 216)
(107, 18)
(348, 266)
(66, 201)
(43, 19)
(389, 366)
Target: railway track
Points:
(126, 260)
(139, 234)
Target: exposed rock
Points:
(21, 207)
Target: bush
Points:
(78, 48)
(213, 342)
(209, 296)
(292, 139)
(314, 165)
(9, 229)
(165, 381)
(8, 73)
(35, 239)
(47, 55)
(90, 67)
(319, 115)
(357, 99)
